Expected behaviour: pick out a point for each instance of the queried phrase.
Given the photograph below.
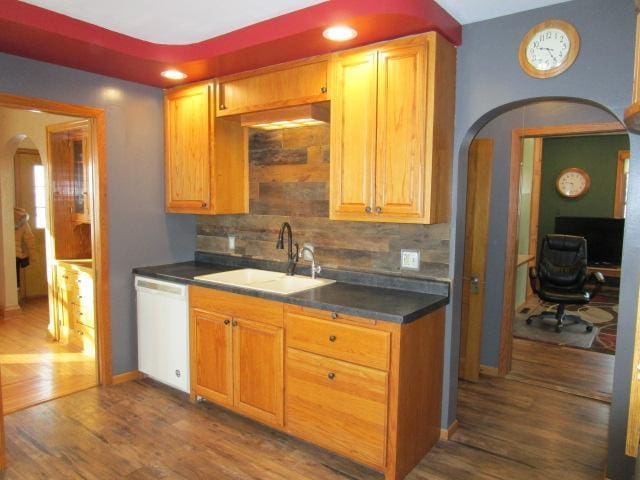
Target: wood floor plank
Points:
(34, 367)
(509, 430)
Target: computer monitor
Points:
(604, 237)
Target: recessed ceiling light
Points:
(174, 74)
(35, 110)
(340, 33)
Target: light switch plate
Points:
(410, 259)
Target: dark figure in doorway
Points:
(25, 241)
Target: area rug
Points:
(602, 311)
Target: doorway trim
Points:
(97, 122)
(508, 299)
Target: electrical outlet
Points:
(410, 259)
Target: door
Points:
(212, 346)
(475, 256)
(353, 136)
(633, 422)
(188, 148)
(3, 458)
(401, 132)
(258, 370)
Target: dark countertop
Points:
(375, 302)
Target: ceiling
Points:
(170, 21)
(470, 11)
(136, 40)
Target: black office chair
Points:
(561, 277)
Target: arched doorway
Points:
(532, 113)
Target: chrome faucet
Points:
(292, 257)
(314, 268)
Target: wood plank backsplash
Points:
(289, 182)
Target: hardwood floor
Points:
(572, 370)
(509, 430)
(35, 368)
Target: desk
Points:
(606, 271)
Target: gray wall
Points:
(499, 130)
(490, 82)
(140, 233)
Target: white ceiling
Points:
(176, 22)
(470, 11)
(180, 22)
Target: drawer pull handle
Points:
(334, 315)
(331, 375)
(332, 338)
(178, 373)
(227, 322)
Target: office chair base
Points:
(561, 319)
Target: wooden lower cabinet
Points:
(338, 405)
(212, 345)
(74, 305)
(369, 390)
(237, 362)
(258, 370)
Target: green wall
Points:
(597, 155)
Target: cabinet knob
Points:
(222, 106)
(331, 375)
(323, 89)
(205, 204)
(367, 209)
(178, 373)
(234, 323)
(334, 315)
(378, 209)
(332, 338)
(227, 322)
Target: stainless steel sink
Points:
(265, 280)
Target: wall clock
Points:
(549, 48)
(573, 182)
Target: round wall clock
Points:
(549, 48)
(573, 182)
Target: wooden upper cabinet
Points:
(403, 132)
(400, 142)
(353, 134)
(188, 132)
(295, 83)
(205, 162)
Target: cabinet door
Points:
(269, 88)
(258, 370)
(211, 365)
(400, 159)
(353, 135)
(188, 149)
(63, 306)
(80, 179)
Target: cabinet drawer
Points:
(360, 345)
(235, 305)
(273, 87)
(337, 405)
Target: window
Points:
(40, 196)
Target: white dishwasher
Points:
(163, 331)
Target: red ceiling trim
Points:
(38, 33)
